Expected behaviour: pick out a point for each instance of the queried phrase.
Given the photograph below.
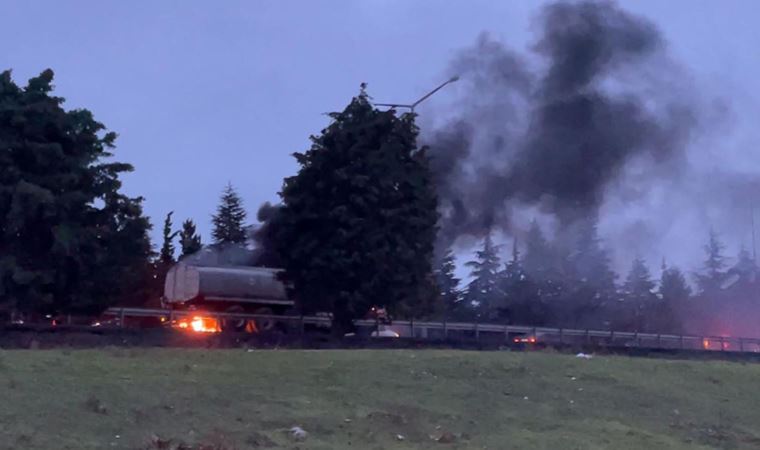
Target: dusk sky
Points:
(204, 93)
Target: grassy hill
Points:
(236, 399)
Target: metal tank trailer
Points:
(250, 290)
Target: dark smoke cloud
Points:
(555, 127)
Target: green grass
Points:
(83, 399)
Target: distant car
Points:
(530, 339)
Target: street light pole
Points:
(422, 99)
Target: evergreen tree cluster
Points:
(229, 230)
(553, 284)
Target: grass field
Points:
(236, 399)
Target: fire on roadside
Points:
(198, 324)
(715, 344)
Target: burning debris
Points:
(198, 324)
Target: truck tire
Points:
(237, 325)
(264, 324)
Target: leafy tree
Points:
(229, 220)
(638, 293)
(713, 273)
(70, 241)
(189, 239)
(358, 222)
(127, 258)
(483, 291)
(448, 286)
(166, 256)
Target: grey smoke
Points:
(555, 127)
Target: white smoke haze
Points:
(594, 120)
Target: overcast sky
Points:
(203, 93)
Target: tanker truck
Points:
(249, 290)
(234, 289)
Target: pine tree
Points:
(713, 273)
(161, 265)
(189, 239)
(358, 222)
(673, 287)
(638, 285)
(539, 258)
(591, 279)
(740, 281)
(638, 293)
(674, 294)
(520, 302)
(448, 286)
(483, 291)
(229, 220)
(542, 266)
(166, 256)
(591, 262)
(745, 265)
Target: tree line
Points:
(573, 285)
(71, 242)
(355, 227)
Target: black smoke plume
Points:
(554, 127)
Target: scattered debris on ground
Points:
(298, 433)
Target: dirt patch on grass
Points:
(216, 442)
(94, 404)
(259, 440)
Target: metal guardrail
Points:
(490, 332)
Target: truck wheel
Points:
(233, 324)
(263, 324)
